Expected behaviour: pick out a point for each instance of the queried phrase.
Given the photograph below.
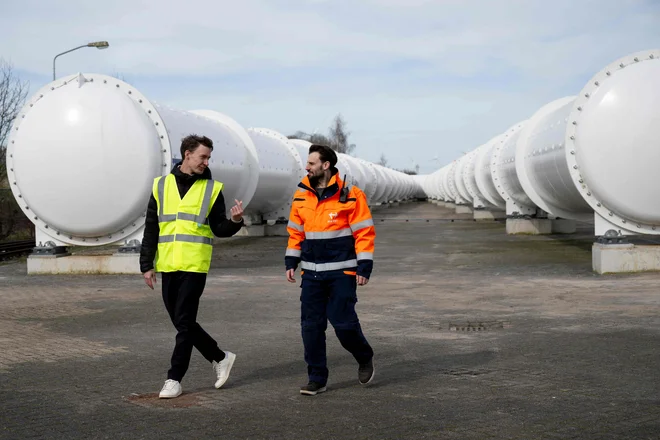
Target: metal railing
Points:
(10, 249)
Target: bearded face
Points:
(316, 169)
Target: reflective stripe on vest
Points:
(346, 232)
(293, 253)
(185, 238)
(206, 202)
(324, 267)
(361, 225)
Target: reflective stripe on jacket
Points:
(185, 241)
(328, 235)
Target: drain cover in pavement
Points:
(478, 326)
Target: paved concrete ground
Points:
(558, 352)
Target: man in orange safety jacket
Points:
(331, 237)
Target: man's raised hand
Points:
(237, 211)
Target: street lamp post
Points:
(96, 44)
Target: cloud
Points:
(412, 77)
(205, 37)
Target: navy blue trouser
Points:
(333, 299)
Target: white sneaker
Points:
(223, 368)
(171, 389)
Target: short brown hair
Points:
(191, 142)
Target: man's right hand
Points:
(289, 275)
(150, 278)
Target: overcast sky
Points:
(421, 81)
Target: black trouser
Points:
(181, 293)
(330, 298)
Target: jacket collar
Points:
(333, 187)
(334, 179)
(176, 170)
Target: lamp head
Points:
(99, 44)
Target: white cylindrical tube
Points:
(280, 171)
(470, 179)
(505, 178)
(613, 144)
(383, 183)
(459, 176)
(441, 184)
(371, 182)
(450, 184)
(355, 174)
(303, 150)
(429, 185)
(249, 176)
(114, 142)
(484, 175)
(234, 160)
(541, 163)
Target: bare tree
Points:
(299, 135)
(315, 138)
(320, 139)
(339, 136)
(383, 160)
(8, 213)
(13, 93)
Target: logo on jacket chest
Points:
(333, 217)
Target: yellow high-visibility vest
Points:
(185, 241)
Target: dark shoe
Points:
(312, 389)
(366, 372)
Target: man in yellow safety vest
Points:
(185, 210)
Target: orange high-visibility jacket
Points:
(329, 234)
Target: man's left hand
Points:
(237, 211)
(362, 281)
